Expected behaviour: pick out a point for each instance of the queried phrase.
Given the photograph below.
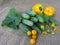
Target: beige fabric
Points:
(16, 37)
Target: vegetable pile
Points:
(33, 22)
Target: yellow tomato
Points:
(52, 33)
(55, 28)
(44, 33)
(29, 33)
(42, 27)
(32, 41)
(34, 32)
(53, 25)
(48, 30)
(34, 36)
(49, 11)
(38, 8)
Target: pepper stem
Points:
(40, 8)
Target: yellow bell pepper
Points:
(38, 8)
(49, 11)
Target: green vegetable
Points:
(12, 13)
(34, 19)
(36, 28)
(46, 19)
(27, 22)
(52, 20)
(38, 24)
(12, 19)
(14, 16)
(24, 27)
(18, 19)
(9, 17)
(26, 16)
(40, 19)
(12, 25)
(31, 13)
(42, 15)
(7, 21)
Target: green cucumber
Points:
(23, 27)
(27, 22)
(26, 16)
(34, 19)
(40, 19)
(38, 24)
(31, 13)
(37, 29)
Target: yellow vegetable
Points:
(44, 32)
(34, 32)
(53, 25)
(48, 30)
(42, 27)
(52, 33)
(55, 28)
(34, 36)
(32, 41)
(38, 8)
(49, 11)
(29, 33)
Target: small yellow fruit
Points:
(52, 33)
(42, 27)
(34, 32)
(53, 25)
(55, 28)
(34, 36)
(48, 30)
(29, 33)
(32, 41)
(49, 11)
(38, 8)
(44, 33)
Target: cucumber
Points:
(26, 16)
(38, 24)
(23, 27)
(31, 13)
(40, 19)
(52, 20)
(27, 22)
(34, 19)
(37, 29)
